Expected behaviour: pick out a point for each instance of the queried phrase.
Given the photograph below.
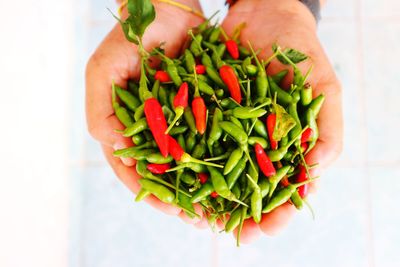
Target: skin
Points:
(117, 59)
(298, 26)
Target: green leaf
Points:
(127, 29)
(294, 55)
(284, 122)
(141, 14)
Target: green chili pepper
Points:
(195, 46)
(292, 110)
(189, 61)
(236, 190)
(255, 139)
(260, 128)
(228, 103)
(283, 195)
(235, 131)
(312, 123)
(127, 98)
(160, 191)
(139, 113)
(297, 200)
(278, 77)
(236, 122)
(155, 89)
(275, 179)
(200, 149)
(142, 194)
(137, 127)
(157, 158)
(188, 179)
(221, 49)
(204, 191)
(216, 131)
(163, 96)
(234, 175)
(190, 142)
(282, 96)
(233, 221)
(264, 187)
(215, 57)
(218, 149)
(255, 200)
(233, 160)
(248, 112)
(220, 93)
(219, 183)
(278, 154)
(138, 139)
(181, 141)
(214, 35)
(185, 203)
(133, 152)
(196, 167)
(206, 60)
(316, 104)
(171, 97)
(133, 87)
(251, 70)
(214, 76)
(205, 88)
(284, 141)
(182, 71)
(120, 112)
(244, 51)
(189, 118)
(178, 130)
(306, 95)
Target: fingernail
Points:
(126, 161)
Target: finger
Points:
(195, 219)
(250, 232)
(203, 223)
(130, 177)
(275, 221)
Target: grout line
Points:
(362, 93)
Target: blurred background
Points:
(61, 205)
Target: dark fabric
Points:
(314, 6)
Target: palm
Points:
(289, 24)
(117, 60)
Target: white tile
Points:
(344, 56)
(116, 231)
(338, 236)
(339, 9)
(385, 188)
(385, 8)
(381, 86)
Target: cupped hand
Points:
(118, 60)
(290, 24)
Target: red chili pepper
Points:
(200, 114)
(285, 181)
(304, 147)
(263, 161)
(232, 48)
(162, 76)
(157, 124)
(214, 194)
(307, 135)
(200, 69)
(158, 168)
(203, 177)
(301, 177)
(271, 121)
(175, 149)
(180, 103)
(228, 76)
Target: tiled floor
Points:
(356, 206)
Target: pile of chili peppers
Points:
(212, 127)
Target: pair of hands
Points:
(286, 22)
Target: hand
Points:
(117, 60)
(290, 24)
